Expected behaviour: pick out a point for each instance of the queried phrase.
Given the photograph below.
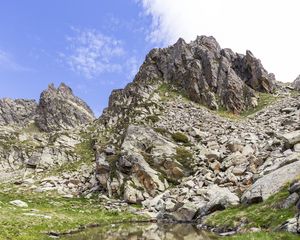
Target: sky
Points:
(96, 46)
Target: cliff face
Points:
(17, 112)
(205, 73)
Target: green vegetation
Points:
(265, 99)
(180, 137)
(152, 118)
(266, 215)
(54, 214)
(31, 128)
(263, 236)
(162, 131)
(167, 91)
(184, 157)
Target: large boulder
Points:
(59, 109)
(17, 112)
(291, 138)
(271, 183)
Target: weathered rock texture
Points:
(17, 112)
(296, 83)
(203, 72)
(60, 109)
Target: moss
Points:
(184, 157)
(112, 160)
(180, 137)
(152, 118)
(162, 131)
(167, 91)
(85, 149)
(266, 215)
(64, 215)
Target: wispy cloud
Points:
(132, 65)
(91, 53)
(8, 63)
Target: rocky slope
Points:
(198, 130)
(40, 143)
(17, 112)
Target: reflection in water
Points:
(149, 231)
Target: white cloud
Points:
(268, 28)
(91, 53)
(8, 63)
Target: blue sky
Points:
(93, 46)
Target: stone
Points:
(271, 183)
(185, 213)
(291, 200)
(297, 147)
(291, 138)
(220, 198)
(19, 203)
(291, 225)
(295, 187)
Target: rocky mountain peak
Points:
(203, 72)
(59, 109)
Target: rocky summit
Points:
(201, 131)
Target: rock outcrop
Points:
(59, 109)
(200, 70)
(17, 112)
(296, 83)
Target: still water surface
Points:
(145, 231)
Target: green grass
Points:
(66, 214)
(263, 236)
(180, 137)
(265, 99)
(266, 215)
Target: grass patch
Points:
(184, 157)
(152, 118)
(263, 236)
(265, 99)
(162, 131)
(180, 137)
(63, 215)
(266, 215)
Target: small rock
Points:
(19, 203)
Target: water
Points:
(143, 231)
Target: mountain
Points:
(200, 129)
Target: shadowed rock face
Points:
(17, 112)
(202, 71)
(60, 109)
